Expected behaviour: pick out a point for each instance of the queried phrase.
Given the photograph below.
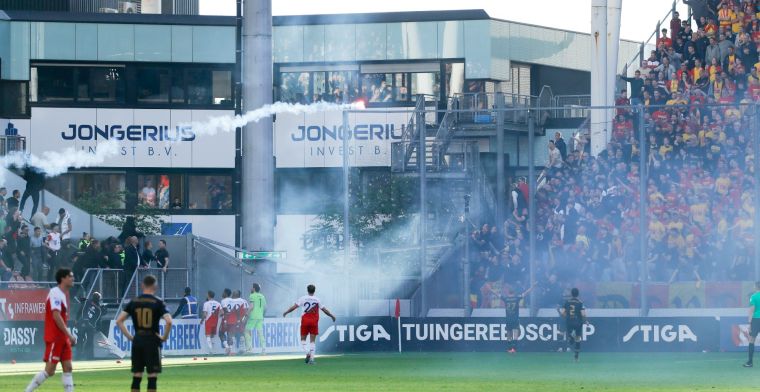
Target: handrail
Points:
(126, 290)
(654, 33)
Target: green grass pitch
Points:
(433, 372)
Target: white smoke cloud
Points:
(215, 125)
(53, 163)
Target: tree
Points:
(382, 207)
(104, 204)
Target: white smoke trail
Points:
(215, 125)
(53, 163)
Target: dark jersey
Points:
(573, 308)
(512, 306)
(161, 256)
(91, 314)
(146, 312)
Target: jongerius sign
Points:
(146, 137)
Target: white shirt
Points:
(211, 307)
(54, 241)
(309, 304)
(65, 226)
(39, 220)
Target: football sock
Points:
(136, 384)
(67, 379)
(751, 351)
(577, 348)
(152, 384)
(304, 346)
(37, 380)
(210, 344)
(262, 341)
(248, 340)
(312, 349)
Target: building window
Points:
(100, 84)
(294, 87)
(212, 192)
(342, 86)
(53, 84)
(176, 85)
(14, 99)
(377, 87)
(72, 186)
(153, 85)
(163, 191)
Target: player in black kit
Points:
(512, 308)
(575, 316)
(146, 312)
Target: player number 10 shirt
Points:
(310, 306)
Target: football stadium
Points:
(248, 194)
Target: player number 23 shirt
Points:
(310, 306)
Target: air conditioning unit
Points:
(108, 10)
(127, 7)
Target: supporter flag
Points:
(397, 314)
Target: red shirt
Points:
(56, 300)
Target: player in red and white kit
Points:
(58, 339)
(211, 310)
(229, 319)
(240, 307)
(309, 320)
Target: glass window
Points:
(222, 87)
(210, 192)
(343, 86)
(319, 87)
(153, 85)
(13, 99)
(425, 83)
(178, 86)
(401, 87)
(54, 84)
(71, 186)
(199, 87)
(162, 191)
(100, 84)
(377, 87)
(294, 87)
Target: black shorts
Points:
(146, 355)
(754, 328)
(575, 330)
(512, 323)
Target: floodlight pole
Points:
(346, 204)
(756, 152)
(643, 172)
(421, 161)
(532, 206)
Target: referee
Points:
(754, 321)
(146, 312)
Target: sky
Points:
(639, 17)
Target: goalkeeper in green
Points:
(256, 318)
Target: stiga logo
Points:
(664, 333)
(362, 333)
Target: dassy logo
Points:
(19, 336)
(664, 333)
(351, 333)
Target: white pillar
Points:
(613, 48)
(257, 196)
(598, 71)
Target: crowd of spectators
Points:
(698, 91)
(31, 251)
